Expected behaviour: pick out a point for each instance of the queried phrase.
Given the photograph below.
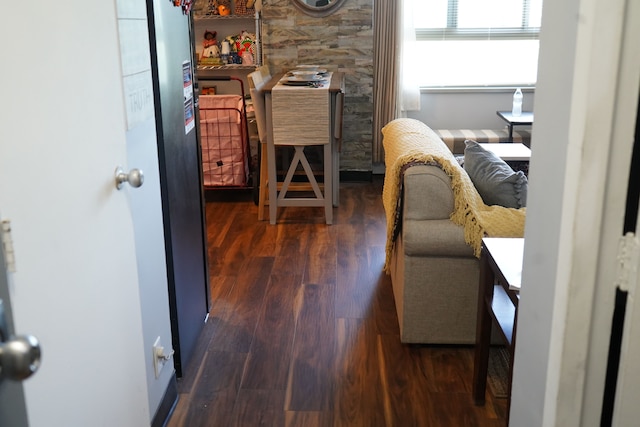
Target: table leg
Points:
(483, 330)
(512, 352)
(510, 133)
(328, 184)
(337, 106)
(271, 160)
(263, 196)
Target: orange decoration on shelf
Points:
(185, 4)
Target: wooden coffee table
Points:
(498, 296)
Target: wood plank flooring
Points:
(303, 328)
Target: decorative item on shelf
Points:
(210, 50)
(244, 7)
(246, 42)
(224, 9)
(234, 58)
(247, 58)
(212, 7)
(185, 4)
(226, 50)
(231, 39)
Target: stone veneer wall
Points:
(343, 42)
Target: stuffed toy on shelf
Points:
(210, 49)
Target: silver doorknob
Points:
(135, 178)
(19, 357)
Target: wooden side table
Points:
(498, 296)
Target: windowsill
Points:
(475, 89)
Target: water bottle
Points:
(517, 103)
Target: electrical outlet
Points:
(158, 357)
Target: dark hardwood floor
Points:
(303, 328)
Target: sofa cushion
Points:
(455, 138)
(494, 179)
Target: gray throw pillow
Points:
(496, 182)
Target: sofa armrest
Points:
(428, 204)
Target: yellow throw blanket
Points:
(408, 141)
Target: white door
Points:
(13, 411)
(76, 287)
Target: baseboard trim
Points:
(167, 404)
(356, 176)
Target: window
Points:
(476, 42)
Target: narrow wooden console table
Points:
(498, 296)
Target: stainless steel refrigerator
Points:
(180, 175)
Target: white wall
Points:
(460, 109)
(574, 218)
(146, 203)
(547, 198)
(146, 207)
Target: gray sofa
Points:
(434, 271)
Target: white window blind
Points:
(476, 42)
